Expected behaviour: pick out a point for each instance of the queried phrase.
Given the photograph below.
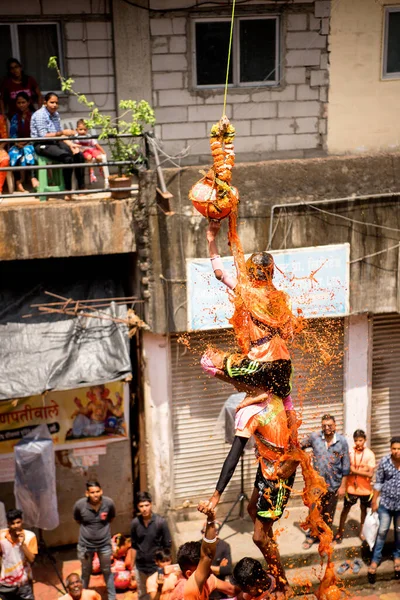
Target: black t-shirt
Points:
(146, 540)
(94, 529)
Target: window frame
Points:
(385, 74)
(15, 42)
(237, 84)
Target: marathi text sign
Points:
(316, 279)
(75, 418)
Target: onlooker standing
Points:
(331, 460)
(221, 566)
(15, 82)
(386, 500)
(74, 586)
(359, 485)
(149, 532)
(18, 548)
(94, 514)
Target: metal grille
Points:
(199, 446)
(385, 416)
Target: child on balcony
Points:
(92, 151)
(22, 153)
(4, 159)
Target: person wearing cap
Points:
(221, 566)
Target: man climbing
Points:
(267, 422)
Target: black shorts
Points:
(273, 495)
(24, 592)
(275, 376)
(351, 500)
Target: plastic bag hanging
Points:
(35, 479)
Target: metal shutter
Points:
(385, 414)
(199, 451)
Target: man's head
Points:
(359, 438)
(144, 504)
(14, 520)
(328, 424)
(260, 267)
(395, 447)
(251, 577)
(94, 493)
(163, 557)
(74, 586)
(189, 557)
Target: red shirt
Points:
(10, 89)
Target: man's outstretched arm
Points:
(208, 547)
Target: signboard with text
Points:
(86, 416)
(316, 279)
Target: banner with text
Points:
(316, 279)
(83, 416)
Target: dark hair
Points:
(10, 61)
(162, 554)
(81, 122)
(189, 555)
(68, 579)
(23, 95)
(13, 514)
(49, 95)
(395, 440)
(90, 484)
(143, 497)
(328, 417)
(359, 433)
(248, 572)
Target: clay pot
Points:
(118, 182)
(204, 198)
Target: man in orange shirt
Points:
(74, 585)
(195, 560)
(359, 482)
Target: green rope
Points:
(229, 56)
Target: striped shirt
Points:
(43, 122)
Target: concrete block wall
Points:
(289, 118)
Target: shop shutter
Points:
(199, 446)
(385, 414)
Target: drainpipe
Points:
(331, 201)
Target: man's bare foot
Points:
(20, 187)
(287, 468)
(67, 197)
(35, 182)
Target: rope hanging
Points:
(229, 56)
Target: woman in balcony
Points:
(4, 158)
(46, 123)
(22, 153)
(17, 81)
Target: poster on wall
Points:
(87, 416)
(315, 278)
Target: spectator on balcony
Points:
(4, 158)
(22, 153)
(15, 82)
(46, 122)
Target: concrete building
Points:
(313, 114)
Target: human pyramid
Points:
(263, 324)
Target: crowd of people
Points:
(143, 561)
(25, 113)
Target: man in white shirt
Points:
(18, 549)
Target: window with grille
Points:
(32, 44)
(255, 52)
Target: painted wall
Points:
(157, 414)
(363, 107)
(287, 118)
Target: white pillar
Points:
(357, 379)
(158, 418)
